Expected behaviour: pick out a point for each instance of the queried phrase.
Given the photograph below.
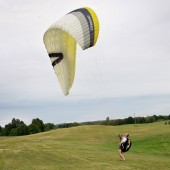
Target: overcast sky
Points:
(127, 72)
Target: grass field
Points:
(88, 147)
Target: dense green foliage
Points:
(19, 128)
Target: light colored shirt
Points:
(123, 140)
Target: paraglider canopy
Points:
(79, 26)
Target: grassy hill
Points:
(88, 147)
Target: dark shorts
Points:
(122, 148)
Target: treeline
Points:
(115, 122)
(19, 128)
(135, 120)
(67, 125)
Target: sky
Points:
(127, 72)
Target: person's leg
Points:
(121, 155)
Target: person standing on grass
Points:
(124, 142)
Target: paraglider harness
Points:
(126, 146)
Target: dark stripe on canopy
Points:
(59, 58)
(89, 19)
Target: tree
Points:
(32, 129)
(13, 132)
(155, 117)
(1, 129)
(141, 120)
(16, 123)
(16, 128)
(22, 130)
(130, 120)
(7, 129)
(49, 126)
(38, 125)
(150, 119)
(107, 121)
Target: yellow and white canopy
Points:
(79, 26)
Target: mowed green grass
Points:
(88, 147)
